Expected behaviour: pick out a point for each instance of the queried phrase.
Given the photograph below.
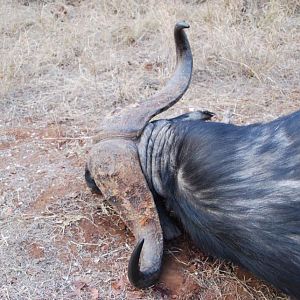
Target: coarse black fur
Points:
(236, 189)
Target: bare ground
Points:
(63, 66)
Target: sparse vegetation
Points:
(63, 65)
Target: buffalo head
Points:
(113, 167)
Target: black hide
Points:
(236, 189)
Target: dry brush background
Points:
(63, 66)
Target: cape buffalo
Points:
(235, 189)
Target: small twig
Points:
(29, 217)
(180, 261)
(86, 244)
(244, 65)
(69, 138)
(7, 293)
(69, 272)
(4, 239)
(113, 251)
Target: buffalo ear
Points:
(198, 115)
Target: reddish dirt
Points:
(36, 251)
(88, 236)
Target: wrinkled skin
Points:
(235, 189)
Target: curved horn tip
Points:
(136, 277)
(181, 25)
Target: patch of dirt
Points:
(174, 281)
(36, 251)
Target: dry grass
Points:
(63, 65)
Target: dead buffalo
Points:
(235, 189)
